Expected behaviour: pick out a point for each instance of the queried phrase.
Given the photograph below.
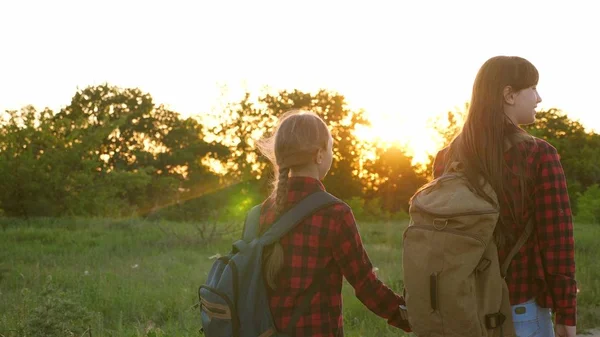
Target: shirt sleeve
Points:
(554, 228)
(351, 257)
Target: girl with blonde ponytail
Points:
(325, 246)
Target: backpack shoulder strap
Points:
(522, 239)
(296, 214)
(251, 224)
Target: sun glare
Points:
(418, 140)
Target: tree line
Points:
(114, 152)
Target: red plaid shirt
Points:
(329, 234)
(544, 268)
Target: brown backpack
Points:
(453, 282)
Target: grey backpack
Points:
(233, 301)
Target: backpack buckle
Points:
(438, 226)
(403, 312)
(483, 265)
(493, 321)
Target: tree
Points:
(185, 149)
(447, 128)
(241, 125)
(245, 122)
(111, 152)
(396, 179)
(28, 187)
(451, 126)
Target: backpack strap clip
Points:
(483, 265)
(493, 321)
(240, 245)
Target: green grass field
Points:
(132, 278)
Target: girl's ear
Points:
(509, 95)
(319, 156)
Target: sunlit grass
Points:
(136, 278)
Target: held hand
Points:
(564, 330)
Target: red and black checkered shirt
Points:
(544, 268)
(329, 235)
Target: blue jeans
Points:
(532, 320)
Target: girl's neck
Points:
(310, 171)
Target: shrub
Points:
(56, 314)
(588, 205)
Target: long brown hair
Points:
(481, 144)
(295, 141)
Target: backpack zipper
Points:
(234, 315)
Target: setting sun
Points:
(418, 140)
